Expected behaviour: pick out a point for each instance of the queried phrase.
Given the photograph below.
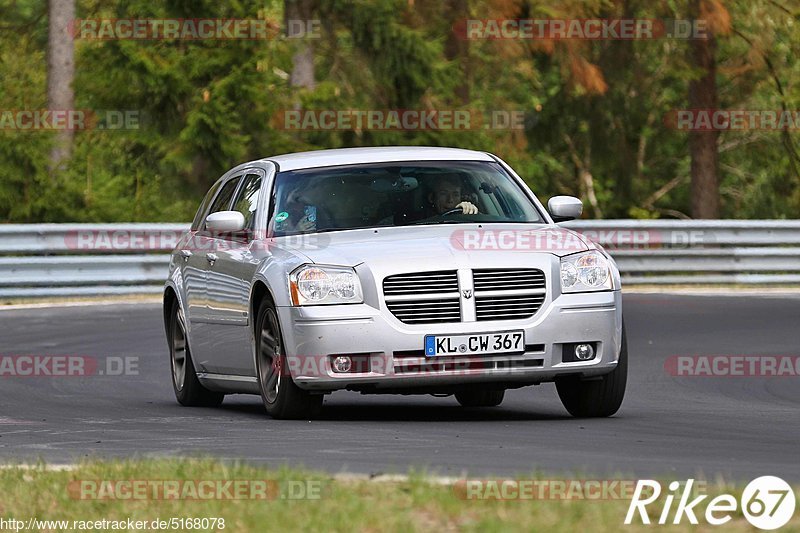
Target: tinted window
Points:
(397, 194)
(247, 200)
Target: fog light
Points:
(584, 352)
(342, 364)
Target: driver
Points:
(446, 195)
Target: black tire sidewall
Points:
(280, 400)
(597, 398)
(193, 393)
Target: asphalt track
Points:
(673, 427)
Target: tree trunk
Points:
(60, 73)
(703, 144)
(302, 74)
(457, 48)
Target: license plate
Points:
(479, 344)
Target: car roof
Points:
(385, 154)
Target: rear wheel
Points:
(282, 398)
(599, 397)
(481, 398)
(187, 387)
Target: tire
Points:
(282, 398)
(599, 397)
(188, 389)
(481, 398)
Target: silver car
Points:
(399, 270)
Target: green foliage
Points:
(205, 106)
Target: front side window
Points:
(397, 194)
(199, 217)
(247, 200)
(223, 200)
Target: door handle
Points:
(211, 258)
(186, 254)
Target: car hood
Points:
(460, 245)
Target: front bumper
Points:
(395, 350)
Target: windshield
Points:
(396, 194)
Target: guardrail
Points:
(748, 252)
(85, 259)
(100, 259)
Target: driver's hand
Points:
(306, 225)
(468, 208)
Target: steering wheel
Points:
(452, 212)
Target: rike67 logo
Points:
(767, 502)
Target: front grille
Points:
(501, 280)
(502, 294)
(433, 297)
(426, 311)
(507, 307)
(421, 283)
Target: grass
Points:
(344, 503)
(106, 299)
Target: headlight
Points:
(321, 285)
(589, 271)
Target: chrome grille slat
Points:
(454, 307)
(428, 314)
(423, 303)
(520, 293)
(507, 284)
(422, 297)
(507, 274)
(487, 306)
(509, 311)
(427, 310)
(500, 316)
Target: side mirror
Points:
(225, 221)
(563, 208)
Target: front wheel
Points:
(600, 397)
(481, 398)
(282, 398)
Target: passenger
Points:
(304, 211)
